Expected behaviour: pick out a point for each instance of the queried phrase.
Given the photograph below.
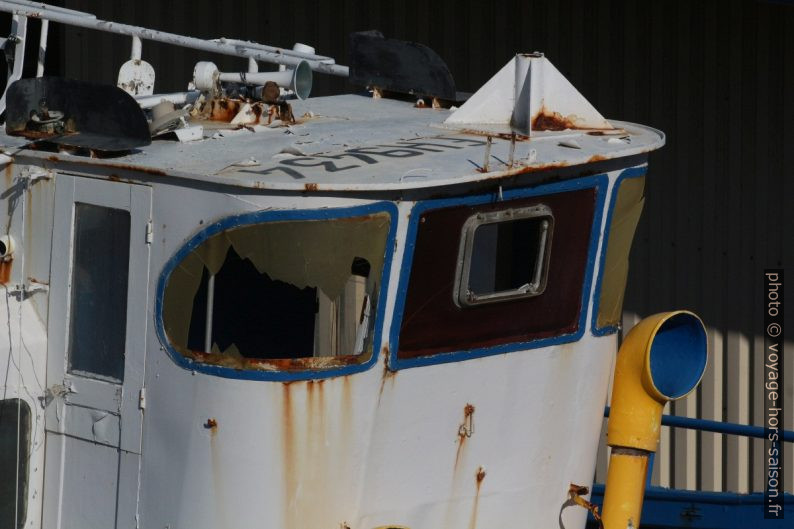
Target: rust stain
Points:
(596, 158)
(288, 449)
(461, 443)
(480, 476)
(347, 410)
(9, 174)
(311, 186)
(224, 109)
(501, 135)
(218, 485)
(272, 364)
(388, 374)
(136, 168)
(549, 120)
(542, 167)
(465, 431)
(37, 134)
(5, 271)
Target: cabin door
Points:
(96, 350)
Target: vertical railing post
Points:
(210, 303)
(135, 55)
(45, 29)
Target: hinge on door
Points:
(142, 399)
(149, 232)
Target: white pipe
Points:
(278, 57)
(210, 303)
(45, 29)
(19, 28)
(136, 48)
(177, 98)
(303, 52)
(39, 5)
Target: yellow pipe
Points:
(662, 358)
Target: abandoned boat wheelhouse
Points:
(241, 306)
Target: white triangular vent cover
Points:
(528, 95)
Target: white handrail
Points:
(259, 52)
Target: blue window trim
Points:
(632, 172)
(598, 182)
(259, 217)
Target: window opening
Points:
(15, 422)
(433, 318)
(98, 310)
(279, 295)
(504, 255)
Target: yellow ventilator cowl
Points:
(662, 358)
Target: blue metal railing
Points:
(675, 509)
(729, 428)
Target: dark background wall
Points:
(717, 77)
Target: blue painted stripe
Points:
(257, 217)
(598, 182)
(705, 425)
(632, 172)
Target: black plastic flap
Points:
(399, 66)
(94, 116)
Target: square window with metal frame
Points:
(504, 255)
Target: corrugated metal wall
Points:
(717, 77)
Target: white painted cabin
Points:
(413, 316)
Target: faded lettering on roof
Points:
(360, 156)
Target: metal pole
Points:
(210, 303)
(286, 51)
(177, 98)
(19, 30)
(45, 28)
(277, 57)
(135, 55)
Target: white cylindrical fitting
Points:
(205, 75)
(303, 48)
(7, 247)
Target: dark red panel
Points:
(432, 322)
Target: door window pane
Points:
(14, 457)
(98, 315)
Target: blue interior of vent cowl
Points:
(678, 355)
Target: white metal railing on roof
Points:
(22, 10)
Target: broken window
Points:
(279, 295)
(504, 255)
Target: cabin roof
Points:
(358, 143)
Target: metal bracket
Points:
(31, 175)
(24, 291)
